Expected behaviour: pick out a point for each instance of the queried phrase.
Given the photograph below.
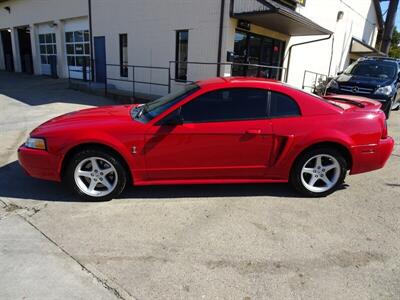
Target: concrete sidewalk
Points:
(32, 266)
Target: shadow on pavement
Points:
(14, 183)
(39, 90)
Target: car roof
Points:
(236, 80)
(379, 59)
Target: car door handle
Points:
(253, 131)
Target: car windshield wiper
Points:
(358, 104)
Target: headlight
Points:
(385, 90)
(332, 84)
(36, 143)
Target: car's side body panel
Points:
(238, 149)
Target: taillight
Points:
(384, 130)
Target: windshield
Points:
(377, 69)
(149, 111)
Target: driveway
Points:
(188, 242)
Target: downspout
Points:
(299, 44)
(221, 29)
(91, 39)
(330, 62)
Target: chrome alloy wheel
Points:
(320, 173)
(95, 176)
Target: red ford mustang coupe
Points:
(222, 130)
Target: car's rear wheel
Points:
(388, 109)
(318, 172)
(96, 175)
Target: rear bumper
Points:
(39, 163)
(371, 157)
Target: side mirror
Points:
(173, 119)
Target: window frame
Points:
(266, 91)
(123, 61)
(270, 116)
(177, 55)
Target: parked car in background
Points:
(374, 77)
(222, 130)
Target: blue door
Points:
(100, 58)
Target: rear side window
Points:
(227, 105)
(283, 106)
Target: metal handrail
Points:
(170, 78)
(226, 63)
(316, 74)
(231, 64)
(133, 81)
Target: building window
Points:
(123, 54)
(181, 56)
(78, 48)
(47, 47)
(250, 48)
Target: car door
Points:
(287, 124)
(224, 135)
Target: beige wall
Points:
(26, 12)
(151, 27)
(37, 14)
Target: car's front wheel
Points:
(319, 172)
(96, 175)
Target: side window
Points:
(181, 55)
(226, 105)
(123, 55)
(283, 106)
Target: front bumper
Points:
(371, 157)
(39, 163)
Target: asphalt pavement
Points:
(188, 242)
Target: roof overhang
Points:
(360, 48)
(275, 16)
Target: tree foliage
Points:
(395, 44)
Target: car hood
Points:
(90, 117)
(349, 79)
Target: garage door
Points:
(48, 51)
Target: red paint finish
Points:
(262, 150)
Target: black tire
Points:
(388, 109)
(119, 180)
(296, 172)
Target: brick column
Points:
(62, 68)
(15, 49)
(35, 49)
